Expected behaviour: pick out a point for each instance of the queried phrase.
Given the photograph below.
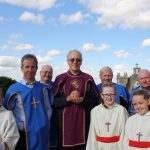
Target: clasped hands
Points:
(75, 97)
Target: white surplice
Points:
(100, 115)
(137, 124)
(9, 134)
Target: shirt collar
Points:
(44, 83)
(24, 82)
(115, 105)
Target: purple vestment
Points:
(74, 115)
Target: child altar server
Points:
(137, 129)
(107, 122)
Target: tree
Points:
(5, 82)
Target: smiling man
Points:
(75, 95)
(46, 75)
(29, 103)
(143, 78)
(122, 95)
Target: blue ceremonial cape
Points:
(36, 120)
(122, 95)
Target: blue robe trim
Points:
(36, 120)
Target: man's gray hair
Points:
(74, 50)
(105, 68)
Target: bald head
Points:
(47, 67)
(46, 74)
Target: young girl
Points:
(137, 129)
(107, 123)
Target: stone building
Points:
(129, 82)
(122, 79)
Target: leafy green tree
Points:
(5, 82)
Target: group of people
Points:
(73, 113)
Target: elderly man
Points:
(46, 75)
(9, 134)
(75, 95)
(30, 102)
(143, 78)
(122, 95)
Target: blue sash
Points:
(34, 111)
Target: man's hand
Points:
(75, 97)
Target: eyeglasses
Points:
(109, 95)
(78, 60)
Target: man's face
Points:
(46, 74)
(144, 79)
(74, 61)
(106, 77)
(29, 69)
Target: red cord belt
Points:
(108, 139)
(138, 144)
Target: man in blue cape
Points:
(46, 75)
(122, 95)
(30, 102)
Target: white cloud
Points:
(102, 47)
(125, 14)
(15, 36)
(11, 72)
(146, 42)
(10, 66)
(93, 71)
(122, 54)
(122, 68)
(36, 4)
(54, 52)
(147, 59)
(141, 54)
(44, 59)
(23, 46)
(4, 47)
(92, 47)
(10, 61)
(77, 17)
(88, 47)
(4, 20)
(61, 68)
(30, 17)
(14, 44)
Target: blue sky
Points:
(113, 33)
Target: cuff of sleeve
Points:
(2, 146)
